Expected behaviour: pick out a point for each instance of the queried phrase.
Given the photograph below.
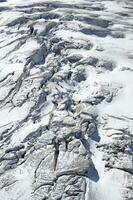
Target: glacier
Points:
(66, 91)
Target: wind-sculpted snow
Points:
(66, 116)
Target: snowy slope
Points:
(66, 115)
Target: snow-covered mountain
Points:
(66, 100)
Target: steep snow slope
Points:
(66, 116)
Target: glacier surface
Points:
(66, 92)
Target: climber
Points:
(31, 29)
